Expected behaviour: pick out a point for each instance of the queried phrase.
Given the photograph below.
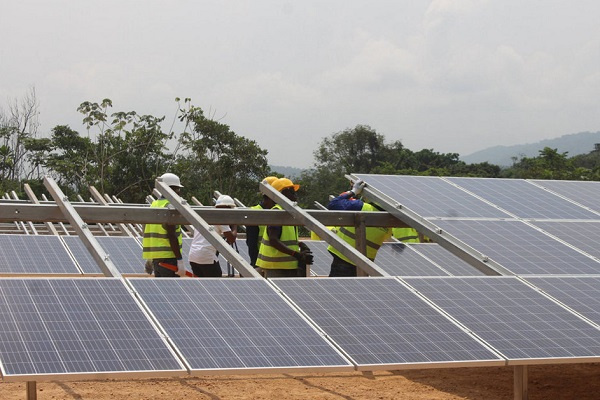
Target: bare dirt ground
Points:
(572, 381)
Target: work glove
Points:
(305, 257)
(180, 268)
(358, 186)
(149, 267)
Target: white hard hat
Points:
(170, 179)
(225, 201)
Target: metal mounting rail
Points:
(355, 256)
(206, 230)
(90, 242)
(444, 239)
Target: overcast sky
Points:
(449, 75)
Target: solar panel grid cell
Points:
(27, 254)
(60, 326)
(514, 318)
(82, 255)
(519, 247)
(235, 324)
(585, 193)
(523, 199)
(584, 235)
(431, 196)
(378, 321)
(124, 252)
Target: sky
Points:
(455, 76)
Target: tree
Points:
(216, 158)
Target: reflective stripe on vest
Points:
(271, 258)
(407, 235)
(156, 241)
(375, 237)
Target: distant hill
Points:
(288, 172)
(574, 144)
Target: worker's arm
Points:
(252, 242)
(345, 202)
(173, 240)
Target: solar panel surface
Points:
(398, 259)
(519, 247)
(431, 196)
(125, 252)
(446, 260)
(523, 199)
(28, 254)
(74, 326)
(224, 323)
(82, 255)
(380, 322)
(584, 235)
(582, 294)
(583, 192)
(515, 319)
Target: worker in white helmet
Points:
(203, 255)
(162, 242)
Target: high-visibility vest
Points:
(271, 258)
(375, 237)
(406, 235)
(261, 228)
(156, 242)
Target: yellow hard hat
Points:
(270, 179)
(283, 183)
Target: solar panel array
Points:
(518, 321)
(382, 324)
(53, 327)
(27, 254)
(584, 193)
(221, 324)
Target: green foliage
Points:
(216, 158)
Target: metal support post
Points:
(520, 382)
(31, 390)
(90, 242)
(98, 197)
(33, 198)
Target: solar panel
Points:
(230, 324)
(582, 294)
(518, 321)
(52, 327)
(519, 247)
(399, 259)
(382, 324)
(523, 199)
(431, 196)
(82, 255)
(28, 254)
(584, 235)
(125, 252)
(446, 260)
(583, 192)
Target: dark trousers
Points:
(341, 267)
(207, 270)
(162, 272)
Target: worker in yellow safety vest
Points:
(281, 254)
(341, 265)
(254, 233)
(162, 242)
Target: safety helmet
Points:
(283, 183)
(225, 201)
(270, 179)
(170, 179)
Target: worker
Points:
(281, 254)
(255, 233)
(341, 265)
(203, 256)
(162, 242)
(409, 235)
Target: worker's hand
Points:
(304, 256)
(180, 268)
(358, 186)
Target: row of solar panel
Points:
(436, 197)
(26, 254)
(94, 327)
